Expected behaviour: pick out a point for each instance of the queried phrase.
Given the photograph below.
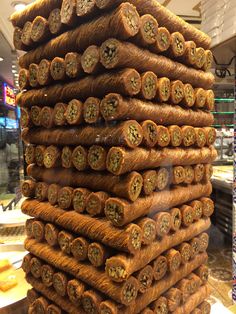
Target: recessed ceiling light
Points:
(18, 5)
(14, 71)
(1, 59)
(13, 66)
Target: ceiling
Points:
(189, 9)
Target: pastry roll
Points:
(210, 135)
(121, 160)
(95, 203)
(209, 60)
(189, 55)
(177, 45)
(97, 254)
(207, 206)
(149, 181)
(121, 212)
(203, 242)
(205, 307)
(185, 250)
(149, 85)
(148, 227)
(64, 240)
(189, 174)
(59, 114)
(53, 309)
(196, 311)
(175, 135)
(199, 171)
(66, 157)
(162, 42)
(18, 44)
(189, 96)
(40, 30)
(38, 231)
(97, 157)
(35, 113)
(54, 22)
(79, 199)
(160, 306)
(116, 24)
(124, 54)
(200, 58)
(52, 157)
(202, 272)
(28, 227)
(162, 178)
(51, 234)
(148, 31)
(44, 74)
(79, 158)
(47, 272)
(116, 107)
(184, 287)
(195, 282)
(33, 70)
(210, 100)
(46, 117)
(35, 267)
(189, 136)
(40, 305)
(163, 136)
(200, 137)
(58, 69)
(147, 311)
(173, 258)
(60, 282)
(75, 290)
(85, 8)
(28, 188)
(178, 175)
(90, 60)
(200, 98)
(91, 110)
(68, 12)
(187, 214)
(91, 301)
(208, 172)
(26, 34)
(145, 278)
(174, 298)
(73, 64)
(195, 244)
(197, 209)
(163, 89)
(163, 223)
(41, 191)
(53, 190)
(150, 135)
(39, 154)
(79, 248)
(176, 219)
(32, 295)
(26, 263)
(25, 120)
(65, 196)
(160, 267)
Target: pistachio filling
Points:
(136, 187)
(90, 60)
(37, 30)
(64, 242)
(175, 263)
(149, 29)
(91, 112)
(176, 137)
(73, 292)
(79, 159)
(94, 255)
(163, 137)
(66, 157)
(189, 95)
(160, 268)
(145, 280)
(57, 69)
(67, 10)
(95, 156)
(165, 89)
(29, 154)
(72, 112)
(188, 217)
(59, 285)
(83, 5)
(136, 239)
(149, 87)
(109, 107)
(189, 138)
(177, 220)
(109, 52)
(129, 293)
(114, 212)
(162, 309)
(186, 254)
(89, 305)
(78, 201)
(35, 268)
(105, 311)
(64, 198)
(131, 20)
(133, 135)
(163, 40)
(38, 307)
(71, 66)
(35, 115)
(165, 225)
(150, 184)
(46, 275)
(149, 231)
(43, 71)
(49, 159)
(178, 93)
(115, 161)
(59, 115)
(163, 178)
(133, 82)
(117, 272)
(179, 46)
(33, 76)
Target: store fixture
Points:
(119, 147)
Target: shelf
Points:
(220, 125)
(227, 112)
(226, 100)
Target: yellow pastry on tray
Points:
(8, 283)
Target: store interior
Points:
(12, 167)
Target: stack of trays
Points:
(115, 115)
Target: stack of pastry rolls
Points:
(116, 118)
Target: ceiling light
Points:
(13, 66)
(14, 71)
(1, 59)
(19, 5)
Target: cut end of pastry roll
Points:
(129, 19)
(59, 114)
(90, 59)
(175, 135)
(51, 234)
(33, 70)
(210, 100)
(95, 203)
(68, 12)
(205, 307)
(35, 113)
(79, 199)
(163, 178)
(210, 135)
(200, 97)
(200, 137)
(197, 209)
(160, 305)
(66, 157)
(148, 29)
(150, 133)
(163, 223)
(38, 231)
(199, 171)
(46, 117)
(65, 196)
(30, 154)
(163, 89)
(39, 154)
(58, 69)
(74, 112)
(108, 307)
(115, 160)
(60, 281)
(149, 181)
(40, 305)
(51, 157)
(39, 31)
(185, 250)
(90, 301)
(145, 278)
(160, 267)
(79, 158)
(25, 120)
(47, 273)
(200, 58)
(208, 206)
(41, 191)
(176, 219)
(97, 157)
(73, 64)
(163, 40)
(79, 248)
(177, 44)
(85, 7)
(209, 60)
(189, 95)
(18, 44)
(173, 260)
(26, 34)
(54, 21)
(111, 53)
(204, 242)
(189, 174)
(149, 85)
(133, 133)
(91, 110)
(75, 290)
(64, 241)
(187, 215)
(96, 254)
(178, 175)
(111, 106)
(148, 227)
(189, 136)
(190, 53)
(44, 75)
(176, 92)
